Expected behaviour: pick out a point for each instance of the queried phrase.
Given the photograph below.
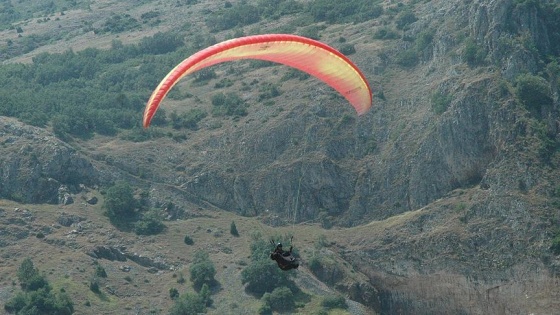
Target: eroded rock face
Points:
(35, 165)
(119, 254)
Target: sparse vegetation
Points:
(188, 240)
(440, 102)
(127, 212)
(95, 95)
(100, 271)
(230, 104)
(120, 202)
(334, 301)
(233, 229)
(279, 300)
(533, 92)
(37, 295)
(202, 270)
(473, 54)
(188, 304)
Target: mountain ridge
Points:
(454, 166)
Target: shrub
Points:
(202, 270)
(229, 104)
(94, 286)
(233, 229)
(205, 295)
(347, 49)
(100, 272)
(473, 55)
(440, 102)
(386, 33)
(407, 58)
(336, 301)
(188, 240)
(280, 299)
(120, 202)
(37, 296)
(262, 275)
(188, 304)
(344, 11)
(29, 277)
(149, 224)
(533, 92)
(555, 247)
(268, 91)
(173, 293)
(405, 18)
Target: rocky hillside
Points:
(455, 166)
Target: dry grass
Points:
(61, 255)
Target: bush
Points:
(150, 224)
(229, 104)
(407, 58)
(405, 18)
(386, 33)
(262, 275)
(237, 15)
(189, 119)
(188, 240)
(336, 301)
(173, 293)
(344, 11)
(440, 102)
(533, 92)
(202, 270)
(188, 304)
(280, 299)
(473, 55)
(37, 296)
(233, 229)
(100, 272)
(29, 277)
(347, 49)
(268, 91)
(205, 295)
(120, 202)
(94, 286)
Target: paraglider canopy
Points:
(308, 55)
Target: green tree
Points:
(29, 277)
(230, 104)
(280, 299)
(100, 271)
(473, 55)
(202, 269)
(150, 224)
(405, 18)
(334, 301)
(533, 92)
(173, 293)
(120, 202)
(188, 304)
(233, 229)
(440, 102)
(37, 296)
(205, 294)
(188, 240)
(262, 275)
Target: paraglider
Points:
(305, 54)
(284, 259)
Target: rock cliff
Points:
(36, 167)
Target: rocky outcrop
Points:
(107, 252)
(112, 253)
(36, 167)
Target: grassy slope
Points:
(61, 255)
